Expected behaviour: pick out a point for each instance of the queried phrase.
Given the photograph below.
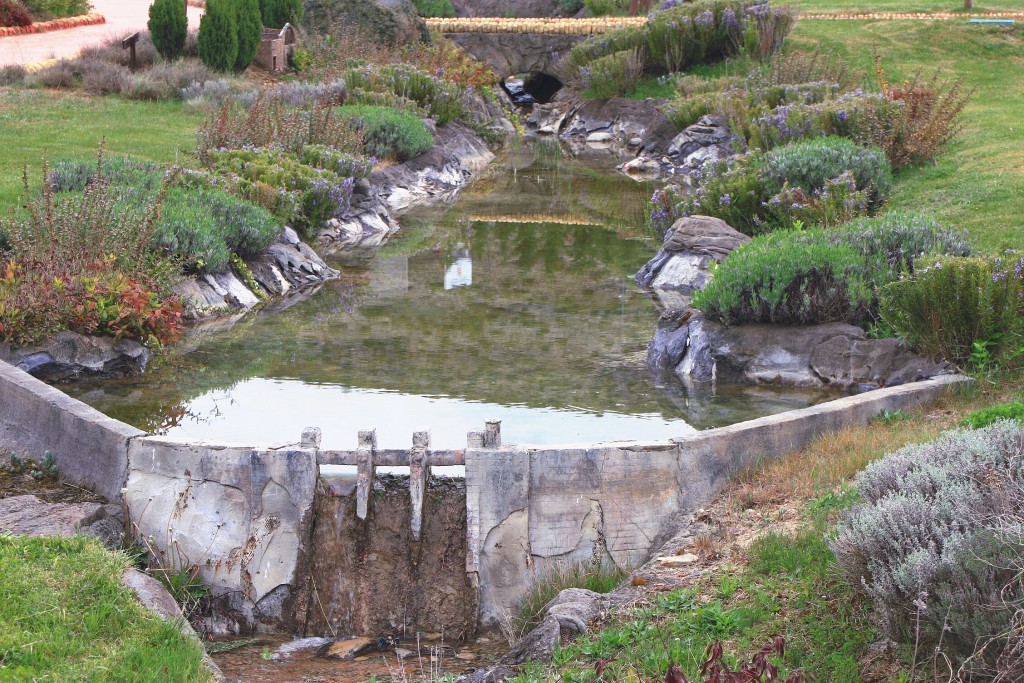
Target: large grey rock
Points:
(393, 22)
(288, 265)
(683, 265)
(831, 354)
(69, 355)
(31, 516)
(564, 617)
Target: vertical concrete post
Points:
(364, 470)
(418, 478)
(310, 438)
(492, 433)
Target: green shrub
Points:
(168, 26)
(809, 165)
(205, 227)
(815, 276)
(277, 13)
(788, 277)
(992, 414)
(299, 194)
(345, 165)
(389, 133)
(601, 8)
(218, 35)
(613, 75)
(250, 32)
(571, 6)
(937, 543)
(45, 10)
(440, 99)
(950, 304)
(434, 8)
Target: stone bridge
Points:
(524, 46)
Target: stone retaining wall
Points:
(244, 513)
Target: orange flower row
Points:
(55, 25)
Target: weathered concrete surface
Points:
(708, 459)
(89, 448)
(245, 510)
(531, 508)
(373, 577)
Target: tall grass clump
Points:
(612, 75)
(82, 262)
(954, 308)
(937, 546)
(592, 575)
(437, 97)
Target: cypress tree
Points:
(250, 32)
(218, 35)
(168, 25)
(277, 13)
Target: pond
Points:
(516, 302)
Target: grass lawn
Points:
(907, 6)
(64, 616)
(978, 180)
(38, 123)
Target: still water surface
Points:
(516, 302)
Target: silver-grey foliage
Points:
(930, 543)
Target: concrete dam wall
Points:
(289, 546)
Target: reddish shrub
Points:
(13, 13)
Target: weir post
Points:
(364, 470)
(418, 477)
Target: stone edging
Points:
(887, 16)
(91, 19)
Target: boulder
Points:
(394, 22)
(564, 617)
(67, 356)
(30, 516)
(690, 246)
(833, 355)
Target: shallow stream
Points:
(515, 302)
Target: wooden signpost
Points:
(129, 44)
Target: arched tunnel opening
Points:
(532, 88)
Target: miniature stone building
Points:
(277, 46)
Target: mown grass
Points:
(980, 6)
(64, 616)
(38, 124)
(977, 182)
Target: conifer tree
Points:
(218, 35)
(168, 25)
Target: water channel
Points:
(516, 302)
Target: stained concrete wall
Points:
(530, 508)
(89, 448)
(243, 515)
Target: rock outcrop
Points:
(436, 175)
(68, 356)
(287, 266)
(833, 355)
(30, 516)
(683, 264)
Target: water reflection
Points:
(515, 303)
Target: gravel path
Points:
(123, 17)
